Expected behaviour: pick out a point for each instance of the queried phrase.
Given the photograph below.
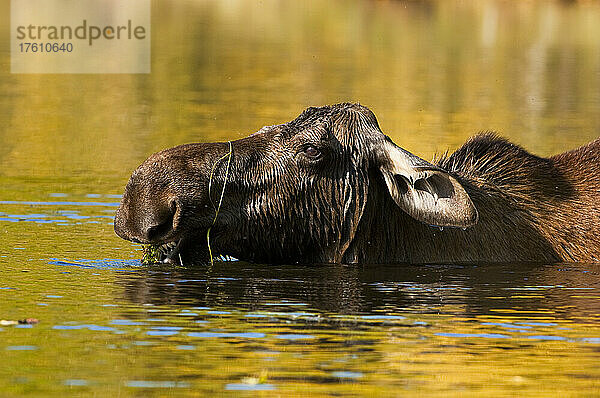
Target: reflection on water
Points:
(433, 72)
(330, 329)
(544, 292)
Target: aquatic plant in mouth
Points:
(157, 254)
(151, 254)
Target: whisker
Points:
(229, 156)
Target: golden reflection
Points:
(434, 73)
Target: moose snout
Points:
(168, 192)
(144, 225)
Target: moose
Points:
(330, 187)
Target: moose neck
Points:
(386, 234)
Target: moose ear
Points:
(424, 191)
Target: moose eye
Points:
(312, 152)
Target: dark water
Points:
(433, 72)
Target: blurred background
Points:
(434, 72)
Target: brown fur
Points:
(283, 206)
(530, 209)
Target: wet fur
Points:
(531, 209)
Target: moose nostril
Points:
(154, 232)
